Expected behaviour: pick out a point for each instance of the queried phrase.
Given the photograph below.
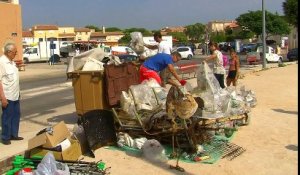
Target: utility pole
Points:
(263, 34)
(206, 40)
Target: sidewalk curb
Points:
(268, 68)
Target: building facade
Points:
(27, 38)
(107, 38)
(11, 18)
(220, 26)
(45, 32)
(66, 34)
(83, 34)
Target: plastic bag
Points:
(78, 133)
(92, 64)
(77, 62)
(137, 43)
(48, 166)
(153, 151)
(127, 104)
(206, 80)
(144, 97)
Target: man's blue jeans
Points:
(10, 120)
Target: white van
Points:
(256, 56)
(41, 52)
(271, 56)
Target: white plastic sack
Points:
(144, 97)
(137, 43)
(93, 64)
(77, 62)
(154, 151)
(206, 80)
(48, 166)
(127, 104)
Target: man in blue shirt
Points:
(152, 66)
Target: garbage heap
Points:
(145, 112)
(115, 109)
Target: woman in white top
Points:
(216, 57)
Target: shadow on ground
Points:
(292, 147)
(284, 111)
(161, 164)
(70, 118)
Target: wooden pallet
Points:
(209, 121)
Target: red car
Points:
(253, 58)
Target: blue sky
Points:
(149, 14)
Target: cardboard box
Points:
(60, 133)
(71, 153)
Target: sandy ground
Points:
(271, 139)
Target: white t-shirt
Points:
(163, 47)
(9, 76)
(218, 63)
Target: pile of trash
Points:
(92, 60)
(220, 102)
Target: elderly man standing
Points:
(10, 95)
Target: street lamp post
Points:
(264, 34)
(206, 40)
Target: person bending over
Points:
(157, 63)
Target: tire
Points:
(26, 61)
(189, 57)
(280, 60)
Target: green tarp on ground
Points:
(214, 156)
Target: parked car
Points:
(253, 58)
(256, 56)
(185, 52)
(65, 48)
(292, 54)
(128, 57)
(248, 47)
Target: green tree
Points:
(195, 32)
(218, 37)
(181, 37)
(112, 29)
(237, 33)
(290, 9)
(275, 24)
(93, 27)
